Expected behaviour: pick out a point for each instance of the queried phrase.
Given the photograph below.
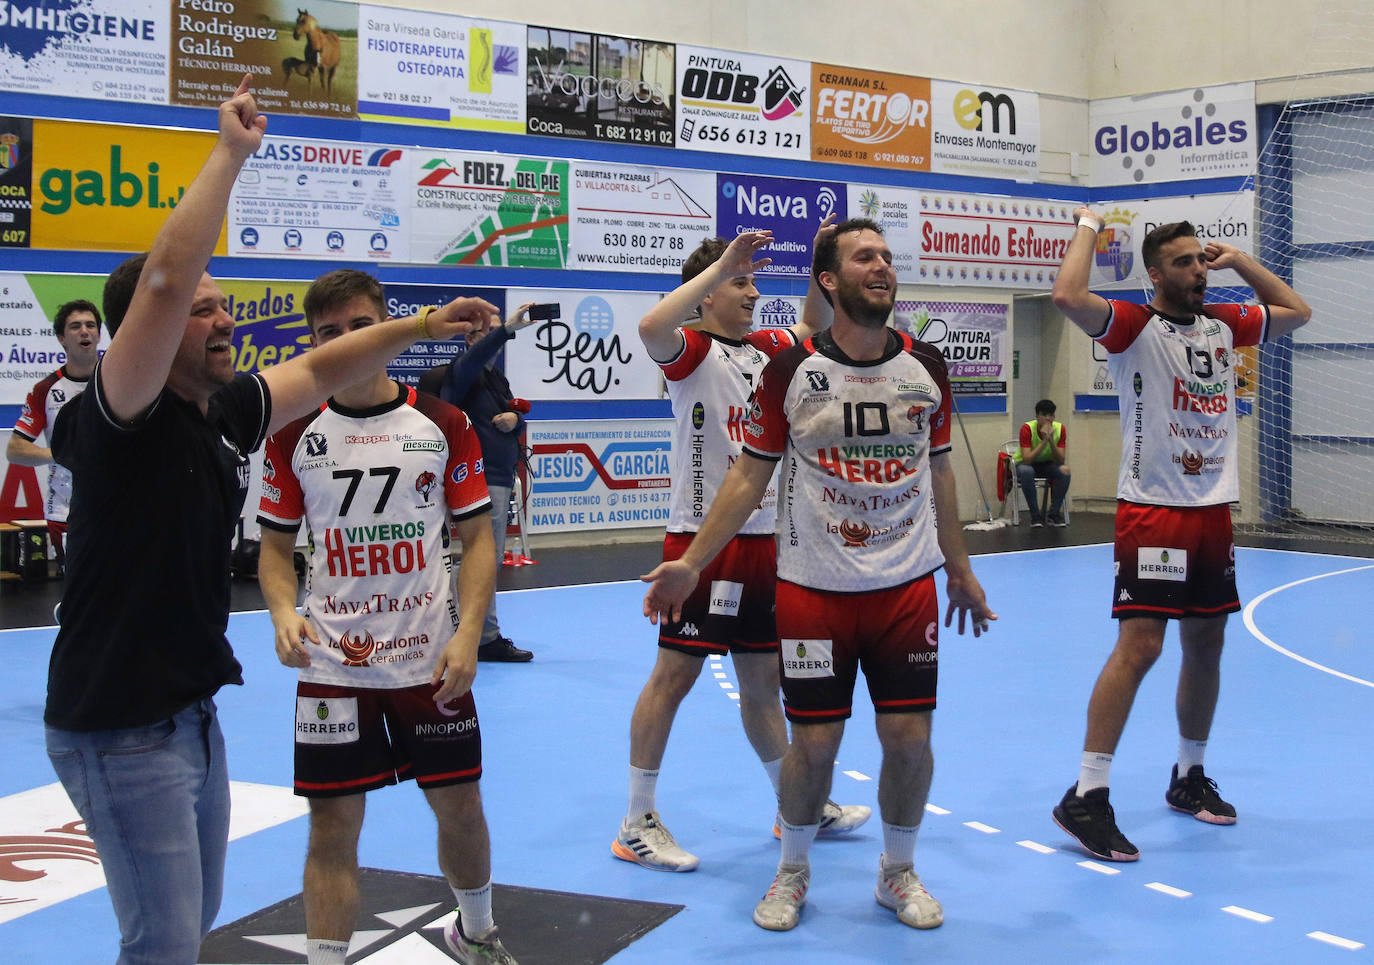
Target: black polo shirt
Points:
(154, 508)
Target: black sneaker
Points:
(1057, 519)
(502, 650)
(1091, 820)
(1197, 795)
(1037, 520)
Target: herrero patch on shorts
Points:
(725, 597)
(1161, 563)
(808, 658)
(326, 720)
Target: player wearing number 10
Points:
(386, 665)
(1174, 365)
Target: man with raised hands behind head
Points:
(1174, 365)
(158, 448)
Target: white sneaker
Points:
(836, 819)
(647, 842)
(901, 890)
(780, 908)
(469, 951)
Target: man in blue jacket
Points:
(474, 384)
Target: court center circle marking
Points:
(1249, 617)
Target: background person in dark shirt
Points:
(474, 384)
(158, 448)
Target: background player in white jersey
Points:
(77, 327)
(386, 666)
(1173, 361)
(857, 420)
(710, 372)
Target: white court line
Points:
(1336, 940)
(857, 775)
(1037, 847)
(1249, 615)
(1164, 889)
(1101, 869)
(1247, 914)
(980, 826)
(935, 810)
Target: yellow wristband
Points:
(422, 321)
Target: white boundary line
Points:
(1249, 616)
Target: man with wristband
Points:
(1173, 362)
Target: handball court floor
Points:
(1291, 882)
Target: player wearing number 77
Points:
(1174, 365)
(385, 663)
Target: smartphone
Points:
(544, 312)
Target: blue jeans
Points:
(1028, 472)
(155, 800)
(500, 509)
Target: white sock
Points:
(774, 771)
(1094, 772)
(796, 844)
(1190, 753)
(321, 951)
(643, 785)
(474, 904)
(899, 845)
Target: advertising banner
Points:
(972, 336)
(638, 218)
(98, 49)
(737, 103)
(599, 87)
(870, 117)
(789, 207)
(29, 350)
(591, 352)
(322, 199)
(599, 474)
(422, 67)
(986, 132)
(107, 186)
(16, 182)
(895, 210)
(405, 300)
(983, 240)
(303, 61)
(1201, 132)
(1226, 218)
(494, 210)
(778, 311)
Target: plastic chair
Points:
(1008, 483)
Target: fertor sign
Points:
(870, 117)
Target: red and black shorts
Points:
(731, 609)
(1174, 562)
(350, 740)
(826, 637)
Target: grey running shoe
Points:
(1091, 820)
(470, 951)
(647, 842)
(836, 819)
(780, 908)
(1196, 794)
(901, 890)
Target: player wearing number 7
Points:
(1174, 365)
(386, 665)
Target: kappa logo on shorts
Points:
(690, 630)
(808, 658)
(1125, 596)
(326, 720)
(725, 597)
(1161, 563)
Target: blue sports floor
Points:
(1291, 882)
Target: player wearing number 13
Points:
(1174, 364)
(385, 664)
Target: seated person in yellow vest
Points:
(1044, 445)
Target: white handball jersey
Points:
(1176, 385)
(709, 383)
(41, 406)
(377, 488)
(854, 441)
